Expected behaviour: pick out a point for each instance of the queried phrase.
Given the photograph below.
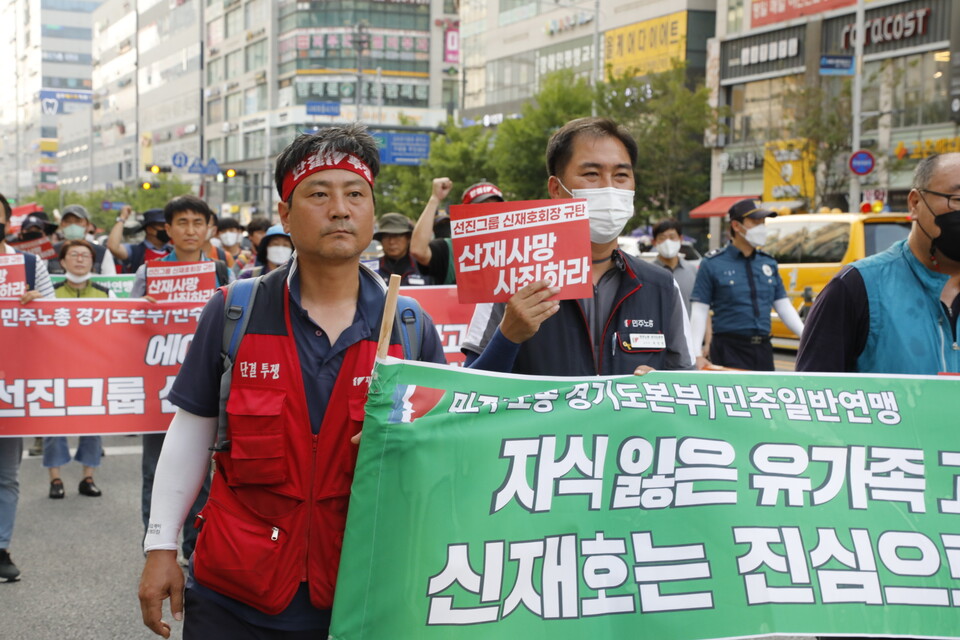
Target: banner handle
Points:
(389, 311)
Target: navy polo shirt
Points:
(724, 283)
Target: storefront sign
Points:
(647, 47)
(763, 12)
(889, 28)
(788, 171)
(836, 65)
(451, 46)
(923, 148)
(568, 23)
(575, 54)
(770, 51)
(742, 161)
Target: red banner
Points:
(104, 366)
(13, 277)
(499, 247)
(181, 281)
(765, 12)
(41, 247)
(93, 366)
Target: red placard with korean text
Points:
(93, 366)
(181, 281)
(41, 247)
(449, 315)
(13, 276)
(499, 247)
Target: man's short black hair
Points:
(258, 223)
(560, 147)
(187, 202)
(228, 222)
(666, 225)
(352, 138)
(7, 211)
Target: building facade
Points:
(509, 46)
(768, 55)
(47, 46)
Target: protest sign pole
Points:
(386, 322)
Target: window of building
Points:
(734, 16)
(214, 111)
(69, 33)
(234, 64)
(234, 22)
(256, 55)
(253, 144)
(215, 148)
(757, 109)
(215, 71)
(255, 14)
(232, 151)
(255, 99)
(913, 90)
(215, 32)
(234, 106)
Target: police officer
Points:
(740, 283)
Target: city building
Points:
(508, 46)
(770, 57)
(47, 49)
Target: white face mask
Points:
(229, 238)
(74, 232)
(75, 279)
(279, 254)
(668, 248)
(610, 209)
(757, 235)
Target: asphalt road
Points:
(80, 558)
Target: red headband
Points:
(322, 162)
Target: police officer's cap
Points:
(749, 209)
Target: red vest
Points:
(278, 501)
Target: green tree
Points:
(668, 120)
(520, 145)
(460, 153)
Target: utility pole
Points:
(853, 197)
(360, 42)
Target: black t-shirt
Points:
(439, 262)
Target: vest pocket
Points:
(257, 439)
(246, 558)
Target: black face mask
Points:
(31, 235)
(948, 242)
(163, 236)
(3, 231)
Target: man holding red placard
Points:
(635, 320)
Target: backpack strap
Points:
(409, 326)
(240, 297)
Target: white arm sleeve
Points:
(698, 323)
(688, 329)
(183, 466)
(789, 315)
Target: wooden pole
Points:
(389, 311)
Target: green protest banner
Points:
(121, 285)
(672, 506)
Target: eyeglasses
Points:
(79, 255)
(953, 199)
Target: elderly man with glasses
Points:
(896, 311)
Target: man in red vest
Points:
(267, 555)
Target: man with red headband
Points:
(435, 256)
(266, 559)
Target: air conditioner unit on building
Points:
(260, 77)
(225, 127)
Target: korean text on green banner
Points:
(676, 505)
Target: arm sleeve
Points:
(679, 354)
(42, 281)
(139, 287)
(836, 330)
(184, 464)
(699, 312)
(498, 355)
(703, 285)
(789, 315)
(107, 266)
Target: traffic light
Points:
(147, 185)
(234, 173)
(157, 168)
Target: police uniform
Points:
(741, 291)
